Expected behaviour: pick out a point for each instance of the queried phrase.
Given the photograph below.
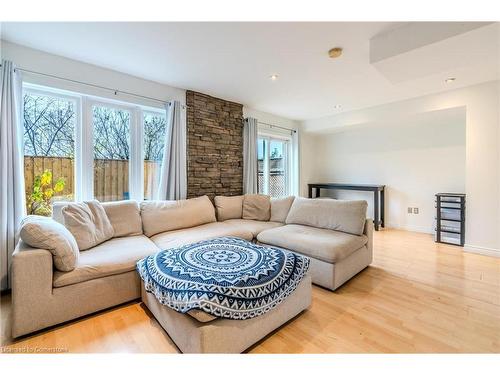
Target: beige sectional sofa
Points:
(334, 234)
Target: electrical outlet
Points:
(410, 210)
(415, 210)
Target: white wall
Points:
(270, 118)
(39, 61)
(416, 158)
(482, 157)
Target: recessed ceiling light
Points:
(337, 106)
(274, 77)
(450, 80)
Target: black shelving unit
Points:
(450, 208)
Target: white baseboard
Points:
(482, 250)
(467, 247)
(411, 228)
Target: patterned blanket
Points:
(226, 277)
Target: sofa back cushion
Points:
(125, 217)
(164, 216)
(88, 223)
(229, 207)
(256, 207)
(44, 233)
(344, 216)
(280, 208)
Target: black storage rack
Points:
(451, 202)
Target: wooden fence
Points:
(111, 177)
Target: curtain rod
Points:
(115, 91)
(277, 126)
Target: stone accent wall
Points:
(214, 146)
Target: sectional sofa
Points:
(335, 234)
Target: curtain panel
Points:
(12, 207)
(250, 156)
(173, 177)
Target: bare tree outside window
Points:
(49, 145)
(154, 136)
(111, 133)
(154, 143)
(49, 126)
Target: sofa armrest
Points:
(368, 232)
(32, 273)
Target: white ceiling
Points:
(234, 60)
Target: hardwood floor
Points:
(417, 296)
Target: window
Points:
(111, 153)
(50, 123)
(273, 166)
(154, 142)
(81, 147)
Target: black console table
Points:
(378, 197)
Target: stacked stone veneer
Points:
(214, 146)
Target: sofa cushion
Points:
(256, 207)
(253, 226)
(88, 223)
(340, 215)
(280, 208)
(125, 217)
(229, 207)
(44, 233)
(323, 244)
(112, 257)
(180, 237)
(163, 216)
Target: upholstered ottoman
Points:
(224, 295)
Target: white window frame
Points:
(84, 139)
(43, 91)
(287, 156)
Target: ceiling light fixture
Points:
(450, 80)
(274, 77)
(335, 52)
(337, 106)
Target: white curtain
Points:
(173, 175)
(250, 156)
(12, 207)
(295, 165)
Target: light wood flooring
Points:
(417, 296)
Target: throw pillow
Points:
(256, 207)
(44, 233)
(88, 223)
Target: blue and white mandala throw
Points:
(226, 277)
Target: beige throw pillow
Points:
(256, 207)
(88, 223)
(229, 207)
(44, 233)
(341, 215)
(280, 208)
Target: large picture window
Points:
(112, 152)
